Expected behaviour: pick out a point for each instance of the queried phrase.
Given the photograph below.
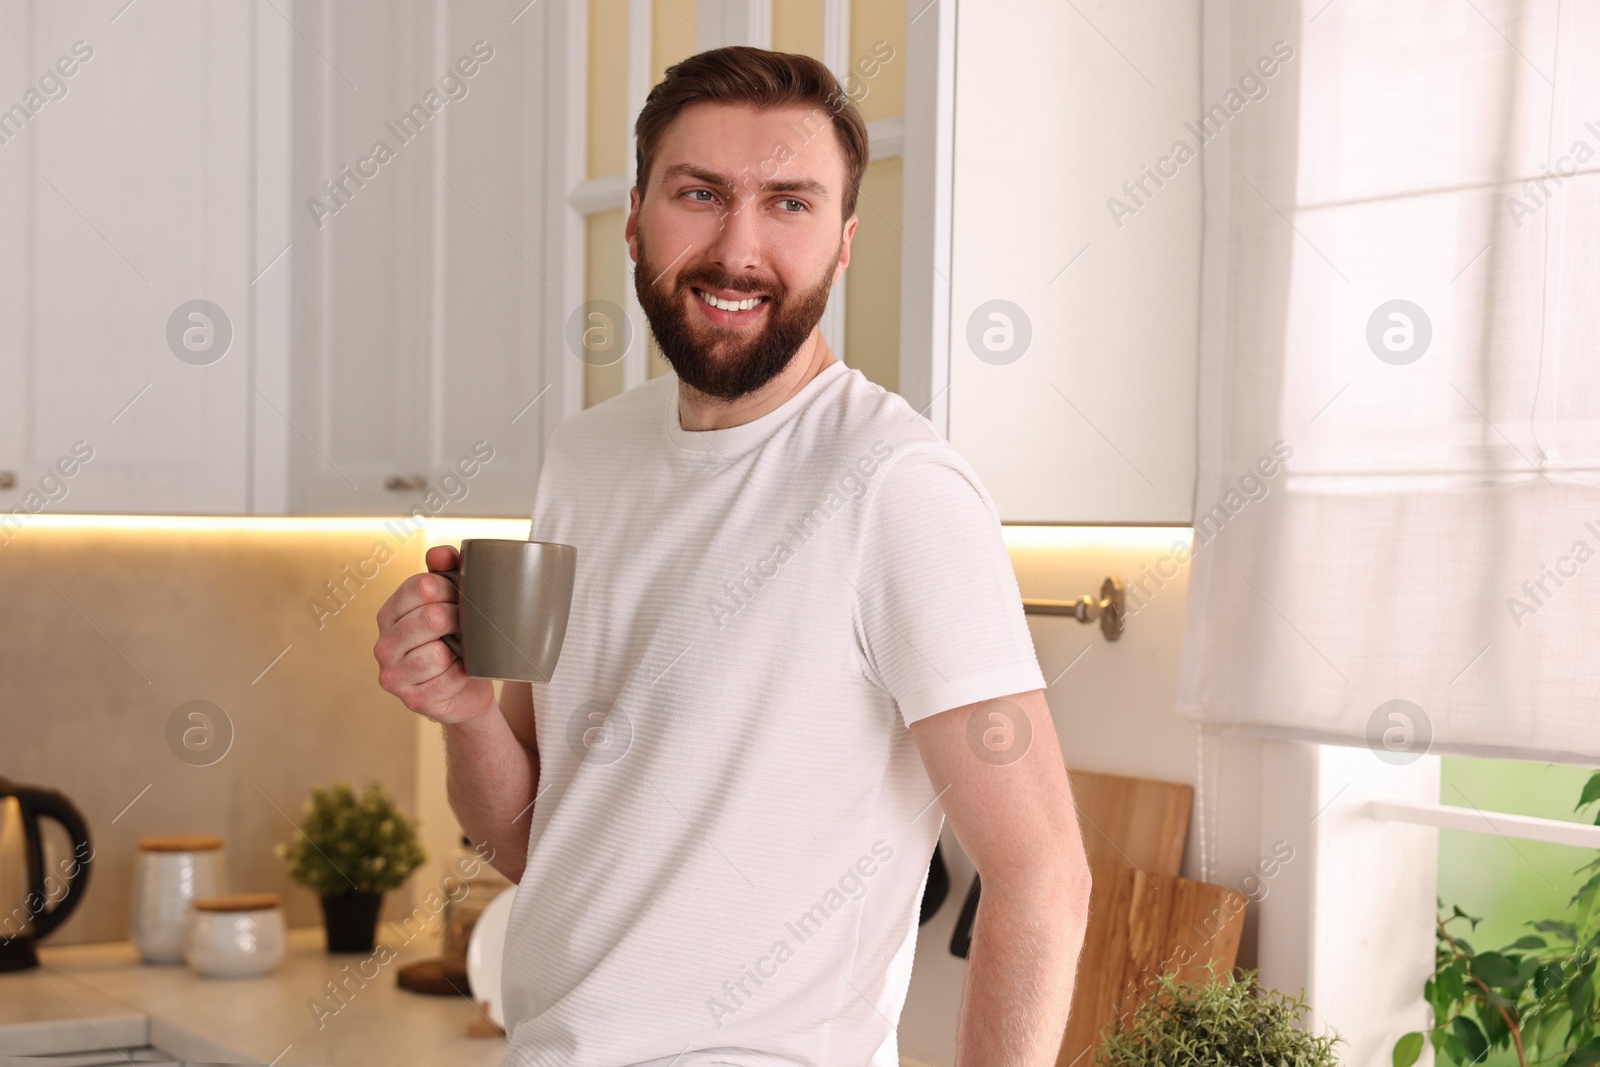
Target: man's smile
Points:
(730, 309)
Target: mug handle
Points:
(452, 641)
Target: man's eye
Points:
(708, 192)
(791, 200)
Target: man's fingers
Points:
(422, 624)
(413, 664)
(407, 595)
(437, 689)
(414, 591)
(416, 667)
(426, 662)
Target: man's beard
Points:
(739, 368)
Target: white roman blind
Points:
(1401, 297)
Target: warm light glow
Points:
(1142, 539)
(437, 530)
(231, 523)
(452, 530)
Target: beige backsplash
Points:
(109, 629)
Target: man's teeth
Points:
(729, 305)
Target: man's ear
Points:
(631, 229)
(844, 246)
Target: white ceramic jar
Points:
(230, 936)
(169, 874)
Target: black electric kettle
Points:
(35, 900)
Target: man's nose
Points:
(737, 244)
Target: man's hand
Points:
(491, 754)
(413, 663)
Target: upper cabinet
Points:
(1075, 258)
(273, 259)
(124, 281)
(419, 274)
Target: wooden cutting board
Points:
(1139, 822)
(1143, 924)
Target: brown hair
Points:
(758, 78)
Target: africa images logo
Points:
(849, 487)
(1252, 85)
(849, 886)
(454, 86)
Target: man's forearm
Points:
(491, 779)
(1021, 971)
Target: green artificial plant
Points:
(1535, 996)
(1216, 1021)
(351, 845)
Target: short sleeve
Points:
(938, 614)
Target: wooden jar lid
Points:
(180, 843)
(238, 902)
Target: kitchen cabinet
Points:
(124, 185)
(205, 309)
(1074, 328)
(419, 289)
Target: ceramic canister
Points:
(229, 936)
(169, 874)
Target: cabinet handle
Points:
(1111, 608)
(8, 479)
(405, 483)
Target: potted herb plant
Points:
(1214, 1021)
(350, 850)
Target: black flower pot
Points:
(351, 922)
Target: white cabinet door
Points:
(1073, 340)
(124, 180)
(418, 285)
(490, 374)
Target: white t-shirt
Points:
(733, 826)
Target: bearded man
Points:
(796, 645)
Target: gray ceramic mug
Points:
(514, 597)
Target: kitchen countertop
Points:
(92, 996)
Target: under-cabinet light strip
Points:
(1156, 542)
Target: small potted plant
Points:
(1214, 1022)
(350, 850)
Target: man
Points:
(795, 641)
